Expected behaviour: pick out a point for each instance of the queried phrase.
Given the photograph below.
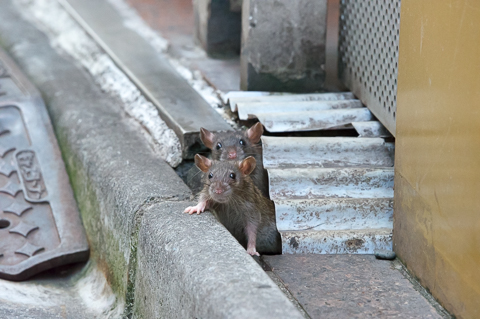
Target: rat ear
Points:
(255, 133)
(247, 165)
(202, 163)
(207, 137)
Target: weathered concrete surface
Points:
(117, 179)
(77, 291)
(189, 266)
(112, 168)
(352, 286)
(283, 45)
(217, 27)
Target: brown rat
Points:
(238, 204)
(238, 146)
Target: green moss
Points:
(104, 247)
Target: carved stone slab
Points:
(40, 226)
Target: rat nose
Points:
(218, 190)
(232, 154)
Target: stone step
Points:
(264, 97)
(363, 241)
(248, 111)
(314, 183)
(302, 152)
(334, 214)
(276, 122)
(371, 129)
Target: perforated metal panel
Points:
(368, 48)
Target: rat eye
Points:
(219, 146)
(232, 175)
(242, 142)
(210, 175)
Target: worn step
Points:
(301, 152)
(235, 94)
(310, 183)
(150, 71)
(334, 213)
(363, 241)
(371, 129)
(234, 100)
(252, 110)
(312, 121)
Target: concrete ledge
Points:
(203, 272)
(124, 190)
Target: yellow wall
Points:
(437, 177)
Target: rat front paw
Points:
(252, 252)
(199, 208)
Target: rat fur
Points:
(238, 204)
(235, 146)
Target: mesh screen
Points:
(368, 49)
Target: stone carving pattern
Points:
(32, 177)
(33, 182)
(29, 249)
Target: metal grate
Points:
(368, 48)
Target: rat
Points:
(238, 204)
(234, 145)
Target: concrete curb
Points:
(131, 202)
(208, 274)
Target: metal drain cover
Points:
(40, 226)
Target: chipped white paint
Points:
(363, 241)
(68, 37)
(334, 214)
(312, 120)
(301, 152)
(251, 110)
(309, 183)
(234, 100)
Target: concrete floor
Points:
(352, 286)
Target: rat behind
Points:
(238, 204)
(236, 145)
